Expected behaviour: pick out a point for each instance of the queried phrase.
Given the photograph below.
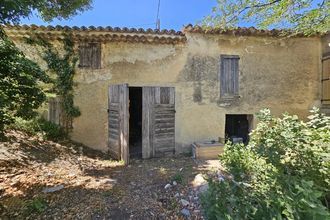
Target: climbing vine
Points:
(63, 66)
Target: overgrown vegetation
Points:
(36, 205)
(178, 177)
(20, 90)
(49, 130)
(283, 173)
(63, 66)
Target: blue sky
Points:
(174, 14)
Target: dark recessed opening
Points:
(135, 122)
(238, 128)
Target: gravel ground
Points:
(46, 180)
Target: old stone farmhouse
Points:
(150, 93)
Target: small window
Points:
(90, 55)
(229, 72)
(238, 127)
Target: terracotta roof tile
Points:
(93, 33)
(241, 31)
(125, 34)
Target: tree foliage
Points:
(303, 16)
(12, 11)
(283, 173)
(20, 91)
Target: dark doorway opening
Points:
(238, 128)
(135, 122)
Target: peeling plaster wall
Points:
(135, 64)
(281, 74)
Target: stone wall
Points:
(280, 74)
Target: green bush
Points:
(178, 177)
(283, 173)
(28, 126)
(49, 130)
(20, 84)
(36, 205)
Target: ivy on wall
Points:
(63, 66)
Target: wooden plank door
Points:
(158, 119)
(118, 120)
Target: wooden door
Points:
(158, 119)
(118, 120)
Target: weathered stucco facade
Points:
(279, 73)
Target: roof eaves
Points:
(244, 31)
(92, 33)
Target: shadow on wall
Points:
(202, 72)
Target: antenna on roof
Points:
(157, 19)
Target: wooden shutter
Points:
(54, 110)
(96, 56)
(158, 131)
(326, 80)
(90, 55)
(119, 122)
(229, 73)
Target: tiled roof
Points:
(93, 28)
(134, 35)
(240, 31)
(92, 33)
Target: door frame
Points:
(150, 98)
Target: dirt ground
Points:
(46, 180)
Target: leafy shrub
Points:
(36, 205)
(178, 177)
(48, 129)
(20, 87)
(283, 173)
(29, 126)
(51, 130)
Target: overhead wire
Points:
(157, 18)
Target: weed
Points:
(36, 205)
(49, 130)
(173, 204)
(178, 177)
(108, 193)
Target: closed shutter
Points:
(55, 110)
(229, 76)
(90, 55)
(158, 130)
(326, 80)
